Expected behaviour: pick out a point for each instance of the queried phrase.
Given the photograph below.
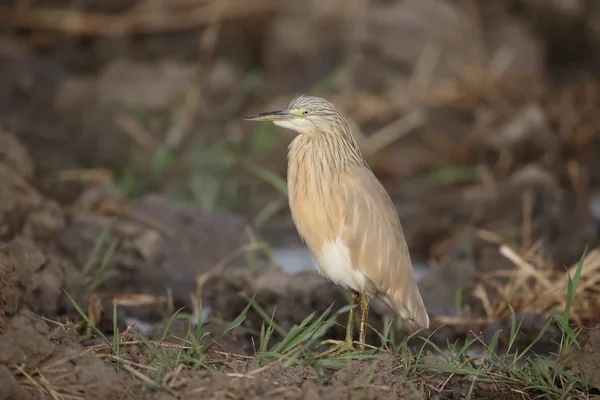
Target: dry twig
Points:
(168, 19)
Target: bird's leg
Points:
(338, 345)
(364, 316)
(354, 296)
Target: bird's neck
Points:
(316, 168)
(328, 155)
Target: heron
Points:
(345, 216)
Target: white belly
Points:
(334, 263)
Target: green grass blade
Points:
(267, 212)
(572, 288)
(93, 257)
(537, 339)
(104, 264)
(237, 321)
(168, 324)
(268, 176)
(87, 320)
(514, 329)
(116, 336)
(269, 319)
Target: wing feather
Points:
(373, 233)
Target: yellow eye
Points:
(305, 112)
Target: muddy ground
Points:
(125, 180)
(41, 331)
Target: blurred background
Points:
(123, 153)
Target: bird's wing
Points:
(372, 232)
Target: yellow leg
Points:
(364, 316)
(351, 318)
(338, 345)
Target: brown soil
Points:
(588, 359)
(527, 138)
(35, 277)
(301, 382)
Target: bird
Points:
(345, 216)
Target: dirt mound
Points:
(371, 379)
(588, 358)
(8, 289)
(155, 245)
(290, 298)
(77, 371)
(25, 340)
(64, 368)
(23, 209)
(41, 280)
(33, 275)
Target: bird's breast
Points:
(314, 195)
(318, 215)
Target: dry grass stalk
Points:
(94, 176)
(136, 131)
(95, 310)
(121, 210)
(535, 289)
(43, 386)
(167, 19)
(392, 132)
(132, 299)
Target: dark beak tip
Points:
(268, 116)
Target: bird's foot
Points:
(338, 347)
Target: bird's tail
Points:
(408, 303)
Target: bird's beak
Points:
(271, 116)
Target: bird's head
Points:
(305, 114)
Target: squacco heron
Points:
(345, 216)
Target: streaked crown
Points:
(317, 106)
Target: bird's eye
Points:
(305, 112)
